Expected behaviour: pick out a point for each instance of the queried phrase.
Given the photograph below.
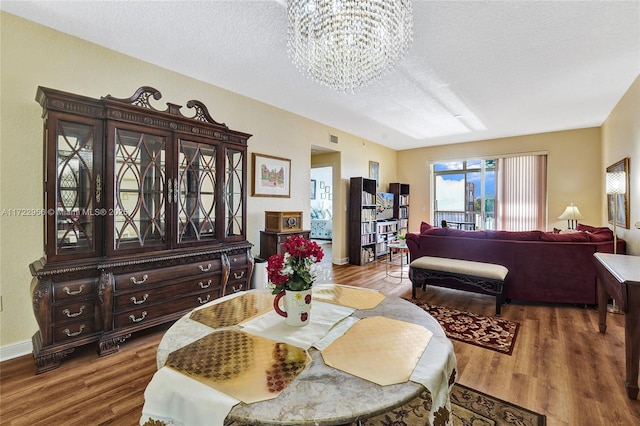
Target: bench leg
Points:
(499, 303)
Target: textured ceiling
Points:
(476, 69)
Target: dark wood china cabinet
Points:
(145, 219)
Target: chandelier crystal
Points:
(346, 44)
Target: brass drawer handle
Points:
(203, 285)
(134, 319)
(77, 314)
(73, 293)
(139, 302)
(144, 278)
(204, 301)
(203, 269)
(237, 277)
(70, 334)
(235, 290)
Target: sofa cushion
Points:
(600, 236)
(576, 237)
(514, 235)
(424, 226)
(592, 229)
(452, 232)
(435, 231)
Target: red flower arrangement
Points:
(296, 269)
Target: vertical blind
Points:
(521, 194)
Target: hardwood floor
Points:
(561, 366)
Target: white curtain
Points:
(521, 194)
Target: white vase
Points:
(297, 307)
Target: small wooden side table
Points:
(271, 242)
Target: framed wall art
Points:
(313, 189)
(618, 202)
(271, 176)
(374, 172)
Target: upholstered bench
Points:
(479, 277)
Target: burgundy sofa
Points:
(543, 266)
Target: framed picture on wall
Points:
(271, 176)
(374, 172)
(313, 189)
(618, 203)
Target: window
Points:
(465, 194)
(505, 193)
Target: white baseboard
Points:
(15, 350)
(342, 261)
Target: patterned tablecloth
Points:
(216, 365)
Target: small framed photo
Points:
(327, 189)
(323, 195)
(271, 176)
(321, 184)
(313, 189)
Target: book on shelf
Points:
(366, 255)
(368, 198)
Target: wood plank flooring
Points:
(561, 366)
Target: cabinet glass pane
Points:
(74, 186)
(233, 191)
(139, 204)
(197, 198)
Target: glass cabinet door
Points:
(73, 213)
(195, 192)
(140, 184)
(233, 196)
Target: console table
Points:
(619, 277)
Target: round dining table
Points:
(320, 394)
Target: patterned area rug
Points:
(471, 407)
(488, 332)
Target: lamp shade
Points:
(571, 213)
(616, 183)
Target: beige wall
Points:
(620, 139)
(573, 165)
(34, 55)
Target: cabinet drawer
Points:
(74, 330)
(74, 312)
(152, 276)
(78, 289)
(238, 261)
(234, 287)
(143, 315)
(145, 297)
(236, 275)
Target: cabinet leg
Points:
(112, 345)
(47, 361)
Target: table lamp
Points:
(616, 184)
(571, 214)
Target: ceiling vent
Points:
(333, 139)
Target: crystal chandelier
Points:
(346, 44)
